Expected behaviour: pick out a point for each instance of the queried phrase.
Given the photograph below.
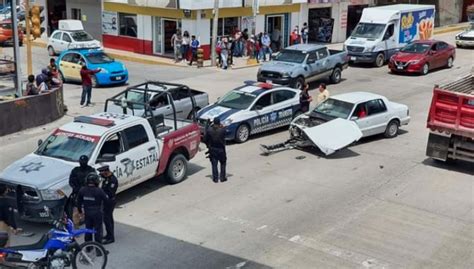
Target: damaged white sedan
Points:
(342, 120)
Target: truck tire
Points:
(392, 129)
(298, 83)
(242, 133)
(379, 60)
(336, 75)
(177, 169)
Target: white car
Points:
(345, 118)
(466, 37)
(71, 35)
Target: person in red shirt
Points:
(87, 84)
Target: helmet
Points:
(92, 178)
(83, 160)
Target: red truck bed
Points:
(452, 108)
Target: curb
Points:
(138, 59)
(449, 29)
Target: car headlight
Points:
(371, 49)
(103, 71)
(457, 37)
(51, 194)
(285, 74)
(413, 61)
(227, 122)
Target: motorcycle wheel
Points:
(90, 255)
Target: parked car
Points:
(71, 35)
(302, 63)
(252, 109)
(466, 37)
(422, 56)
(358, 114)
(181, 96)
(112, 72)
(6, 33)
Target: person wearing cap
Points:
(77, 180)
(215, 142)
(109, 186)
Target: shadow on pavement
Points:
(455, 166)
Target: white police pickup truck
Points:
(136, 148)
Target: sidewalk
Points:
(239, 63)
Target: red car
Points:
(422, 56)
(6, 33)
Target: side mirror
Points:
(258, 107)
(354, 118)
(40, 141)
(106, 158)
(311, 61)
(432, 52)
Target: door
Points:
(182, 102)
(169, 29)
(389, 40)
(377, 113)
(433, 56)
(284, 107)
(65, 41)
(323, 64)
(263, 108)
(313, 66)
(70, 66)
(111, 152)
(443, 53)
(56, 40)
(157, 36)
(360, 117)
(160, 104)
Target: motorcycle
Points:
(57, 249)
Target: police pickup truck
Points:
(302, 63)
(136, 149)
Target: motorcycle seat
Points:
(38, 245)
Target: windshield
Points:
(81, 36)
(470, 27)
(237, 100)
(368, 30)
(99, 58)
(68, 146)
(334, 109)
(290, 56)
(416, 48)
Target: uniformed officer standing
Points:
(215, 141)
(77, 180)
(91, 200)
(109, 186)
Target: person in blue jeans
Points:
(194, 48)
(266, 43)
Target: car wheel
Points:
(449, 64)
(458, 46)
(299, 83)
(336, 75)
(242, 134)
(51, 51)
(392, 129)
(177, 169)
(379, 60)
(425, 69)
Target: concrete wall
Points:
(91, 11)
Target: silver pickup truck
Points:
(302, 63)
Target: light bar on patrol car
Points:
(94, 121)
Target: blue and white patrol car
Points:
(251, 109)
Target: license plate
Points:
(353, 58)
(118, 78)
(400, 67)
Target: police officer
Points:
(109, 186)
(215, 141)
(91, 200)
(77, 180)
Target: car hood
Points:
(114, 66)
(215, 110)
(333, 135)
(467, 33)
(280, 67)
(405, 57)
(38, 171)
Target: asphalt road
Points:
(378, 204)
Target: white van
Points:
(71, 35)
(383, 30)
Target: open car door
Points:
(333, 135)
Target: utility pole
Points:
(29, 64)
(16, 51)
(214, 32)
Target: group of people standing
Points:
(299, 37)
(182, 43)
(306, 98)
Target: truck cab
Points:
(382, 31)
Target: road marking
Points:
(238, 266)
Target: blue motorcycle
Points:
(57, 249)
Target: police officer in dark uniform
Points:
(109, 186)
(91, 200)
(77, 180)
(215, 141)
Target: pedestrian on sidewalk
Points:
(245, 42)
(215, 142)
(109, 186)
(218, 52)
(305, 99)
(323, 94)
(185, 46)
(224, 52)
(176, 43)
(194, 48)
(304, 33)
(86, 77)
(295, 38)
(232, 47)
(266, 43)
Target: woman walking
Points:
(186, 41)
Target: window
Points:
(389, 32)
(312, 57)
(159, 101)
(281, 96)
(136, 136)
(226, 26)
(128, 24)
(113, 145)
(322, 53)
(375, 107)
(68, 57)
(66, 38)
(264, 101)
(76, 13)
(442, 46)
(360, 111)
(57, 36)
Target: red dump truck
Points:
(451, 121)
